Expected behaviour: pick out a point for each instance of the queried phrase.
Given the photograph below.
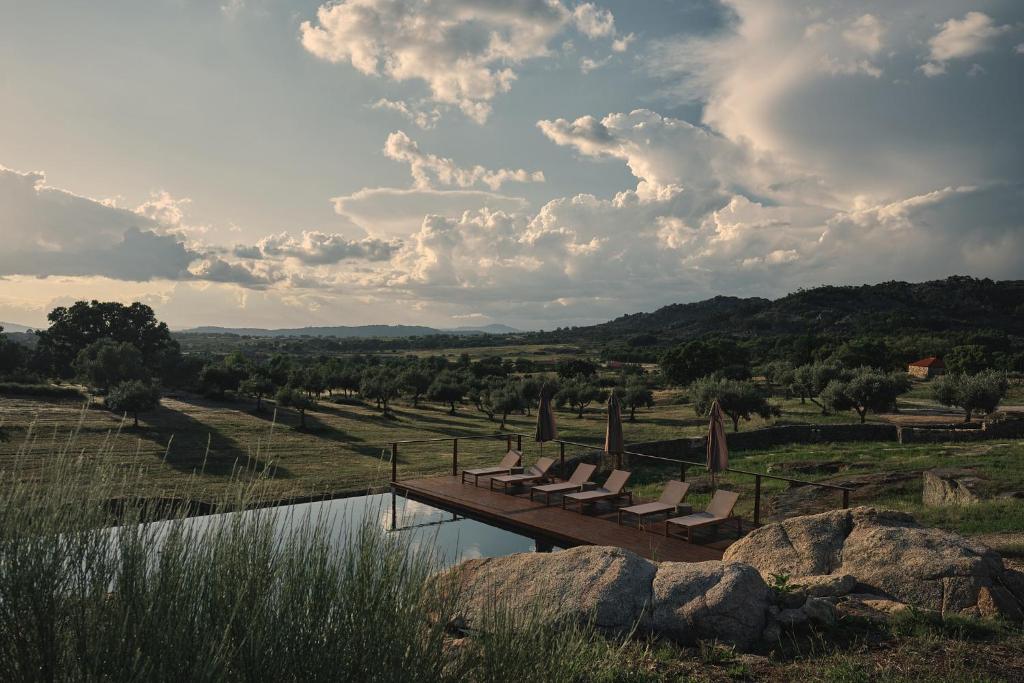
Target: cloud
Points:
(215, 269)
(959, 38)
(170, 214)
(836, 96)
(318, 248)
(587, 64)
(247, 251)
(424, 118)
(593, 21)
(400, 212)
(49, 231)
(465, 51)
(429, 169)
(622, 44)
(668, 155)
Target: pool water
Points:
(450, 538)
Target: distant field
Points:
(345, 448)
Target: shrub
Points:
(40, 390)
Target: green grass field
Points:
(200, 444)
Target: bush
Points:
(40, 390)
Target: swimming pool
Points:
(451, 538)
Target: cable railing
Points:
(683, 465)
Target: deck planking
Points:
(564, 527)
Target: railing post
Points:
(394, 462)
(508, 443)
(757, 500)
(561, 459)
(455, 457)
(682, 471)
(519, 442)
(846, 498)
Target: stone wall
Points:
(694, 447)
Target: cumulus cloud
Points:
(215, 269)
(668, 155)
(319, 248)
(170, 213)
(828, 92)
(48, 231)
(429, 170)
(465, 51)
(425, 118)
(399, 212)
(593, 21)
(960, 38)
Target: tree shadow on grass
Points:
(199, 446)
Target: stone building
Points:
(926, 368)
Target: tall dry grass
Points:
(91, 591)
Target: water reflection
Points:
(450, 537)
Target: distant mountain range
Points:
(360, 331)
(15, 327)
(956, 303)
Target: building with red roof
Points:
(926, 368)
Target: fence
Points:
(591, 452)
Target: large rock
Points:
(890, 555)
(709, 601)
(949, 487)
(610, 585)
(826, 586)
(619, 591)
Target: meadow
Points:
(243, 601)
(202, 445)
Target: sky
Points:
(537, 163)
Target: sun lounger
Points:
(611, 490)
(579, 479)
(671, 497)
(507, 464)
(719, 510)
(536, 472)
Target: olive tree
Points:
(738, 399)
(867, 389)
(290, 397)
(980, 392)
(635, 394)
(578, 394)
(133, 397)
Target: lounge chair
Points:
(719, 510)
(576, 482)
(507, 464)
(536, 472)
(611, 490)
(671, 497)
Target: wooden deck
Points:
(566, 528)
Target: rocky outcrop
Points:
(826, 585)
(610, 586)
(949, 487)
(709, 601)
(622, 593)
(889, 555)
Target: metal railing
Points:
(683, 465)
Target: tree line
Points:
(126, 355)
